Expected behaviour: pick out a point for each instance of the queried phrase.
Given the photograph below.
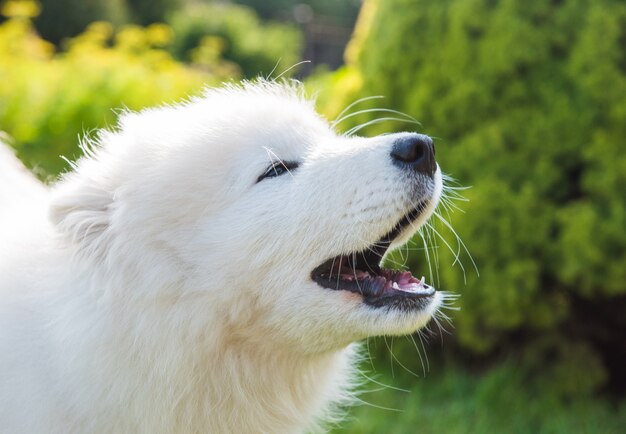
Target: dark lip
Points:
(368, 260)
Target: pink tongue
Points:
(410, 287)
(402, 281)
(406, 282)
(405, 278)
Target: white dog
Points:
(206, 268)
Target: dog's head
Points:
(248, 203)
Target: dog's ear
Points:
(81, 210)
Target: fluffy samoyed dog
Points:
(207, 267)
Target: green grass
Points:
(503, 400)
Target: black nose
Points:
(415, 152)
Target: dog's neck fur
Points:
(183, 376)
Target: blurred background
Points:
(527, 102)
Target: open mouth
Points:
(361, 273)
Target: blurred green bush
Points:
(60, 19)
(528, 104)
(48, 99)
(151, 11)
(256, 47)
(203, 30)
(507, 399)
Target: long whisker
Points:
(421, 338)
(399, 362)
(358, 101)
(456, 253)
(386, 386)
(460, 241)
(291, 67)
(426, 253)
(435, 253)
(274, 68)
(419, 354)
(375, 110)
(392, 355)
(377, 121)
(369, 404)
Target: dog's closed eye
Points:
(278, 168)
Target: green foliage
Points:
(241, 37)
(528, 102)
(60, 19)
(507, 399)
(151, 11)
(49, 99)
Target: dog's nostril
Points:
(408, 151)
(415, 152)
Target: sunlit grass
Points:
(451, 401)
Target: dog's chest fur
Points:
(172, 384)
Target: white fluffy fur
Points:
(157, 288)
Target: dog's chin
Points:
(360, 272)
